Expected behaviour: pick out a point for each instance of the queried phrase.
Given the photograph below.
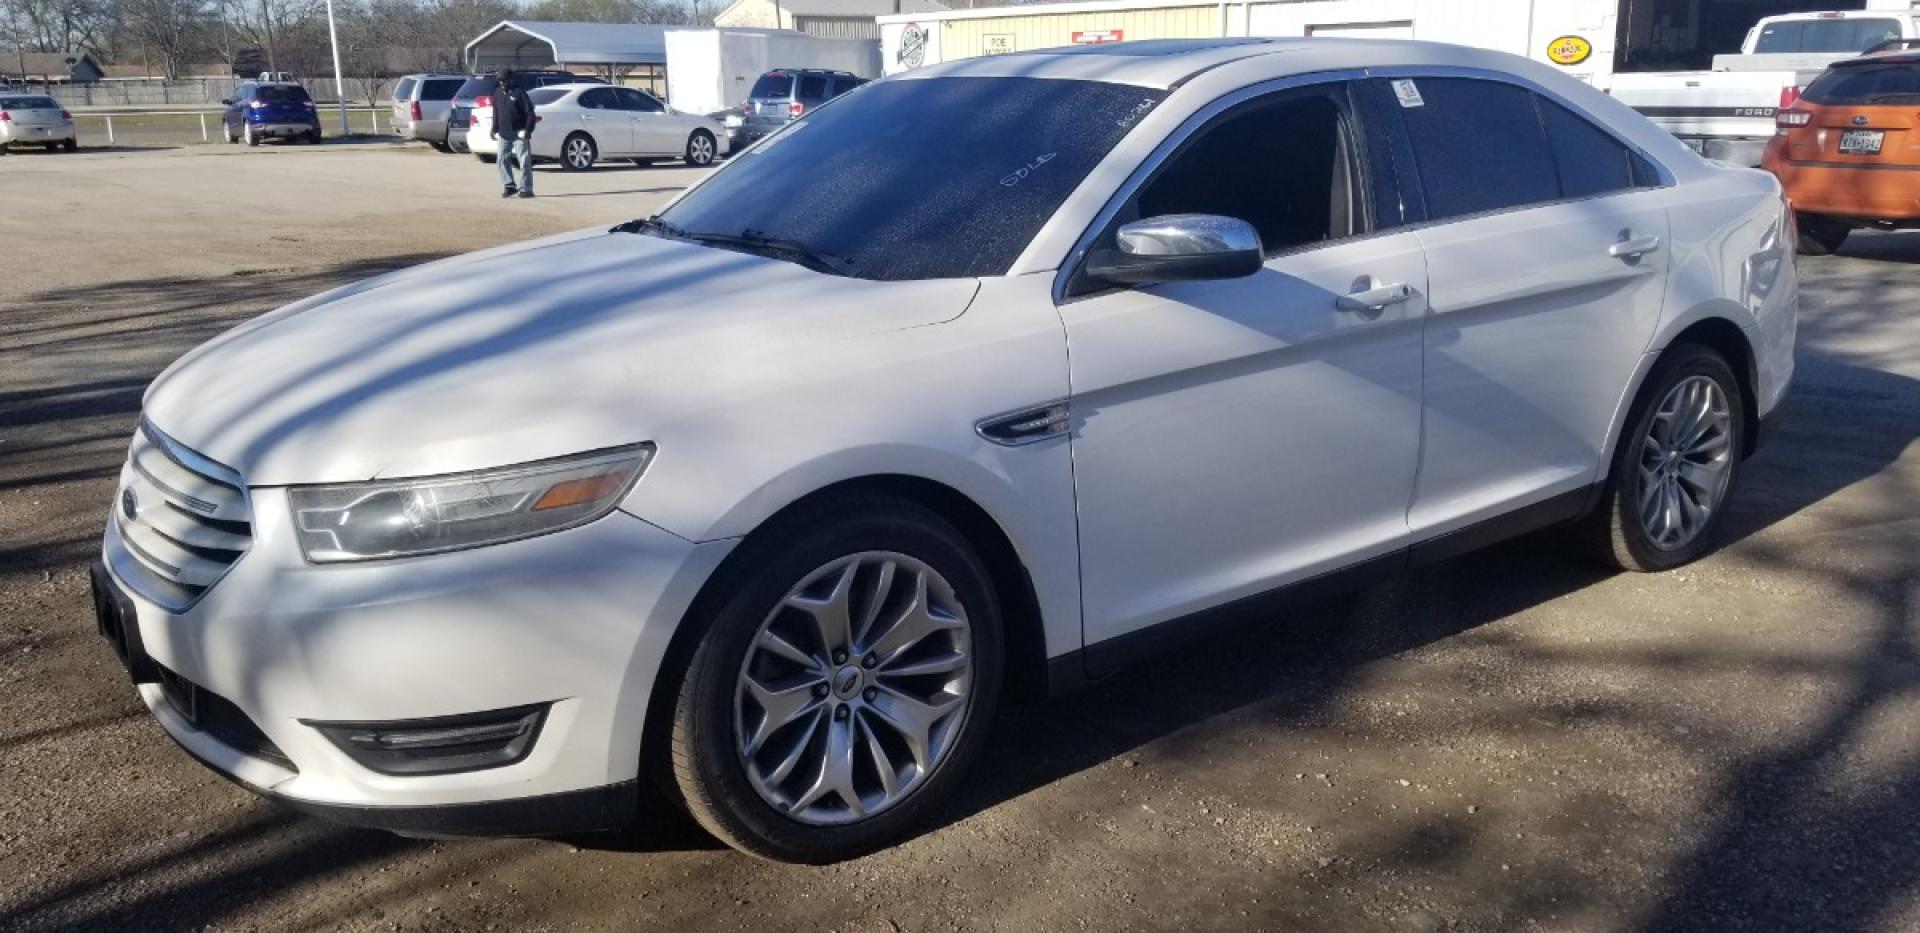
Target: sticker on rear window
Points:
(1408, 93)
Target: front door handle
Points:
(1634, 248)
(1373, 299)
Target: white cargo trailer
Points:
(712, 69)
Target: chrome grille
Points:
(183, 518)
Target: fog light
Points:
(441, 745)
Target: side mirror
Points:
(1179, 248)
(226, 101)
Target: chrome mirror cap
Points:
(1187, 235)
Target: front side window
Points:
(600, 98)
(869, 185)
(631, 99)
(1284, 163)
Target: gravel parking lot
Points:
(1510, 740)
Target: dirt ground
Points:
(1513, 740)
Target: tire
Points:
(1820, 235)
(233, 139)
(701, 148)
(5, 148)
(643, 163)
(247, 133)
(313, 138)
(578, 153)
(486, 157)
(441, 147)
(807, 554)
(71, 145)
(1621, 532)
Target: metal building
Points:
(826, 19)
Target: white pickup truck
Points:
(1727, 113)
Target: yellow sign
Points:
(1569, 50)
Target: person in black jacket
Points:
(513, 134)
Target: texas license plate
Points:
(1862, 142)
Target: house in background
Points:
(49, 67)
(825, 19)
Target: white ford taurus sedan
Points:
(773, 496)
(583, 124)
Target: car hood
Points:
(521, 353)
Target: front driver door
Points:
(1235, 436)
(602, 118)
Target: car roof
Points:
(1166, 63)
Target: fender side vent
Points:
(1027, 426)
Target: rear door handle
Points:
(1634, 248)
(1373, 299)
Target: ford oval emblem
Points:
(1859, 121)
(129, 504)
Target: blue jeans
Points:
(511, 150)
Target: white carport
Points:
(611, 50)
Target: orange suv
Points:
(1848, 151)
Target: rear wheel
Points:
(1820, 235)
(578, 153)
(70, 145)
(700, 148)
(1674, 467)
(313, 138)
(844, 687)
(486, 157)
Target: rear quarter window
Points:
(403, 90)
(1590, 161)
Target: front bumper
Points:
(577, 620)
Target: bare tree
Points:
(174, 31)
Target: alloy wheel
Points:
(1686, 460)
(854, 689)
(700, 149)
(579, 153)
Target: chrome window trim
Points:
(195, 462)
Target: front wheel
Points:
(247, 133)
(1674, 468)
(1820, 235)
(700, 148)
(844, 688)
(578, 153)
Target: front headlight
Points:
(734, 119)
(407, 517)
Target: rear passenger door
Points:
(604, 120)
(1547, 255)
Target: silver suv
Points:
(421, 104)
(782, 95)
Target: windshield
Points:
(1890, 83)
(893, 195)
(1826, 35)
(279, 94)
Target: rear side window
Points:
(1590, 161)
(772, 87)
(1889, 83)
(1479, 145)
(282, 94)
(441, 89)
(812, 87)
(1826, 35)
(404, 90)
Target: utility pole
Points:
(339, 85)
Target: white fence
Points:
(359, 119)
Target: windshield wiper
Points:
(646, 224)
(759, 242)
(748, 240)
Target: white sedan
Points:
(581, 124)
(35, 120)
(770, 497)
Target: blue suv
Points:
(260, 109)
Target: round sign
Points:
(1569, 50)
(913, 46)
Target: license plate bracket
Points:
(1862, 142)
(113, 615)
